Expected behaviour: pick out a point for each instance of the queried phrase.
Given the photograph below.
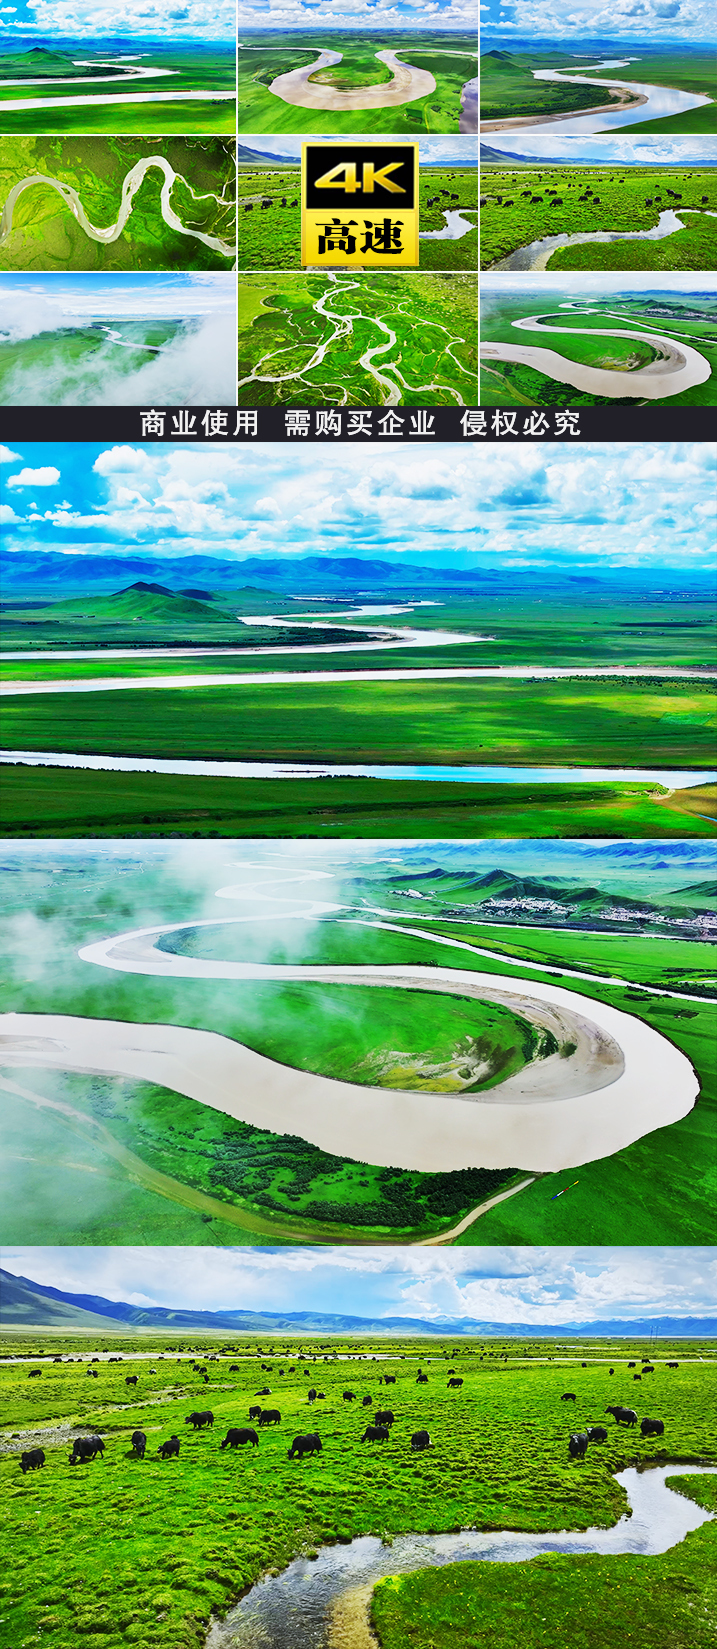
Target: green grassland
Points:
(534, 1605)
(46, 802)
(45, 235)
(617, 204)
(692, 71)
(574, 722)
(579, 624)
(510, 383)
(451, 59)
(434, 356)
(508, 90)
(145, 1552)
(207, 69)
(128, 1157)
(270, 238)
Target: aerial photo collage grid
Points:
(358, 816)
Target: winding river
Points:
(299, 87)
(630, 103)
(389, 390)
(324, 1603)
(678, 367)
(130, 72)
(537, 254)
(130, 187)
(541, 1119)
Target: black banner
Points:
(378, 424)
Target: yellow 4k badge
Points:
(359, 204)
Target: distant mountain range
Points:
(32, 573)
(27, 1304)
(503, 896)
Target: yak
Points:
(376, 1434)
(384, 1417)
(596, 1434)
(568, 1397)
(270, 1417)
(454, 1384)
(85, 1448)
(652, 1428)
(130, 1379)
(31, 1459)
(255, 1411)
(625, 1417)
(578, 1445)
(237, 1435)
(309, 1443)
(349, 1397)
(169, 1448)
(139, 1443)
(367, 1402)
(198, 1419)
(421, 1440)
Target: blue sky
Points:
(91, 20)
(503, 1285)
(647, 504)
(375, 17)
(39, 303)
(568, 21)
(616, 149)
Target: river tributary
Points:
(305, 1607)
(655, 103)
(130, 186)
(536, 255)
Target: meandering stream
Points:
(652, 103)
(130, 186)
(309, 1605)
(677, 368)
(537, 253)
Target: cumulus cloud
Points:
(46, 477)
(197, 19)
(526, 1286)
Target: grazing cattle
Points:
(384, 1417)
(421, 1440)
(568, 1397)
(130, 1379)
(637, 1377)
(92, 1374)
(649, 203)
(294, 202)
(652, 1428)
(265, 1392)
(596, 1434)
(270, 1417)
(648, 1369)
(578, 1445)
(623, 1417)
(705, 198)
(376, 1434)
(311, 1394)
(34, 1374)
(537, 198)
(255, 1411)
(583, 1365)
(367, 1402)
(237, 1435)
(30, 1459)
(320, 1395)
(199, 1418)
(309, 1443)
(421, 1379)
(349, 1397)
(631, 1365)
(250, 207)
(672, 1365)
(139, 1443)
(525, 194)
(265, 205)
(234, 1368)
(166, 1450)
(611, 1371)
(59, 1359)
(453, 1384)
(85, 1448)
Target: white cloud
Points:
(47, 477)
(7, 456)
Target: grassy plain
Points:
(270, 237)
(389, 340)
(519, 209)
(95, 1168)
(145, 1552)
(534, 1605)
(44, 802)
(45, 234)
(574, 623)
(689, 318)
(566, 722)
(451, 58)
(193, 68)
